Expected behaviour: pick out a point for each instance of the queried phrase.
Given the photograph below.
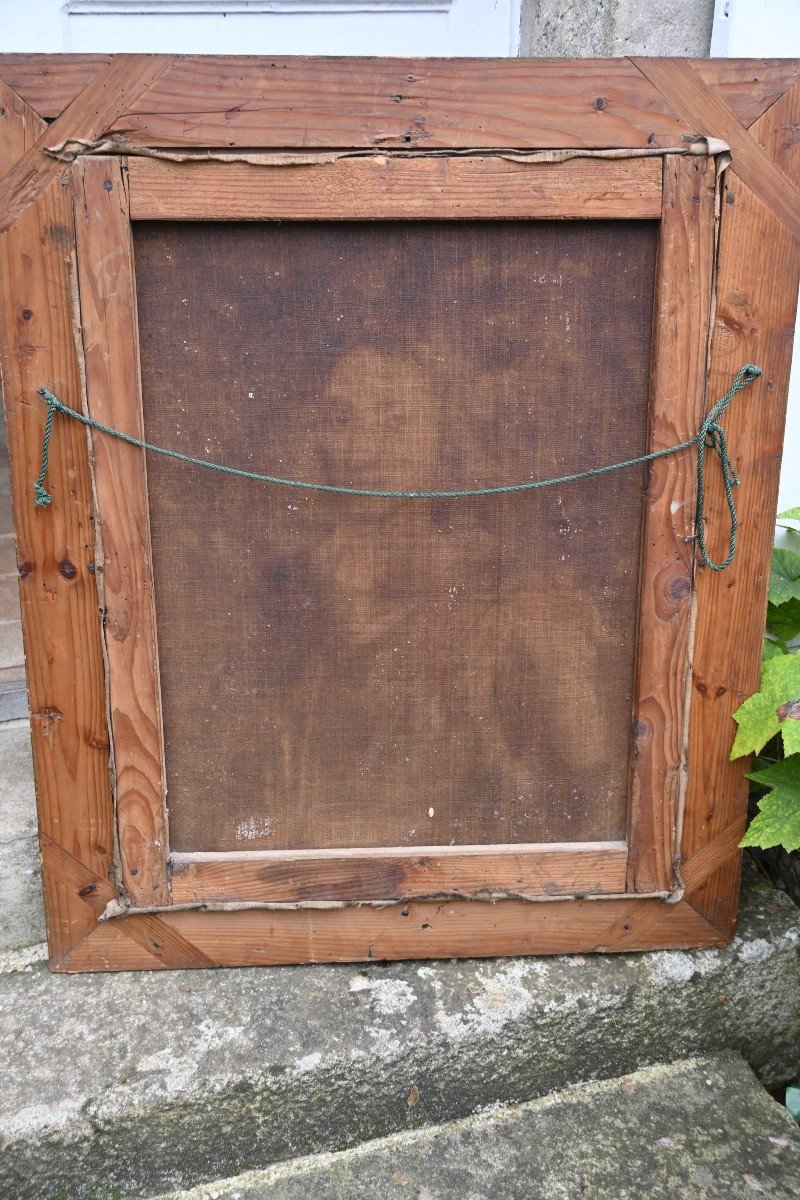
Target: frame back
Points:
(346, 727)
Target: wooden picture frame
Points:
(128, 141)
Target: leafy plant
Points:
(771, 717)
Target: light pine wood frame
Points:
(48, 259)
(680, 191)
(387, 188)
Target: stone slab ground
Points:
(21, 912)
(703, 1129)
(13, 700)
(125, 1086)
(138, 1083)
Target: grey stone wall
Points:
(609, 28)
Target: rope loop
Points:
(710, 436)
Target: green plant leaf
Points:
(785, 773)
(758, 763)
(772, 650)
(784, 619)
(778, 819)
(791, 514)
(775, 708)
(776, 824)
(784, 579)
(790, 725)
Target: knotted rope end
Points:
(50, 400)
(43, 497)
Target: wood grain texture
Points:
(49, 82)
(748, 85)
(55, 553)
(710, 115)
(111, 354)
(395, 189)
(778, 131)
(572, 869)
(155, 942)
(87, 888)
(19, 128)
(401, 102)
(455, 929)
(681, 324)
(758, 271)
(93, 110)
(708, 859)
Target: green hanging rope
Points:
(710, 436)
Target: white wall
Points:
(393, 27)
(767, 29)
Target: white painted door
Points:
(392, 27)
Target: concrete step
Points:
(21, 913)
(138, 1083)
(701, 1129)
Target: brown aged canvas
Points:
(342, 671)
